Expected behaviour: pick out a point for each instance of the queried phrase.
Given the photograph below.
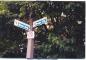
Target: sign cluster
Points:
(30, 34)
(27, 26)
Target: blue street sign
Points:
(21, 24)
(40, 22)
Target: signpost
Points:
(30, 33)
(30, 44)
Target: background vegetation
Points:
(63, 37)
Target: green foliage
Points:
(3, 8)
(61, 42)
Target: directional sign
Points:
(40, 22)
(21, 24)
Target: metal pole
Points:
(30, 44)
(30, 48)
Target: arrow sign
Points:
(21, 24)
(40, 22)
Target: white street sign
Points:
(21, 24)
(40, 22)
(30, 34)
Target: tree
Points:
(63, 40)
